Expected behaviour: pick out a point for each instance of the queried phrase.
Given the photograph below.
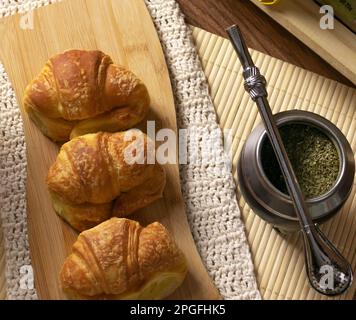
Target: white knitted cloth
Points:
(208, 189)
(13, 191)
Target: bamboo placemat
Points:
(279, 261)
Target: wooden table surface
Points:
(261, 32)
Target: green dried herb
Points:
(313, 155)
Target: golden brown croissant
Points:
(79, 92)
(91, 179)
(119, 259)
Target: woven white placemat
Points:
(208, 190)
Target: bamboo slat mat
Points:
(279, 261)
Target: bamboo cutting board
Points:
(124, 30)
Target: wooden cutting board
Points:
(124, 30)
(302, 18)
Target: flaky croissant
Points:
(119, 259)
(79, 92)
(93, 179)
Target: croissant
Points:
(93, 180)
(79, 92)
(119, 259)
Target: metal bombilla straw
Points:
(328, 271)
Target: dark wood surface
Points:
(261, 32)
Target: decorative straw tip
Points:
(232, 28)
